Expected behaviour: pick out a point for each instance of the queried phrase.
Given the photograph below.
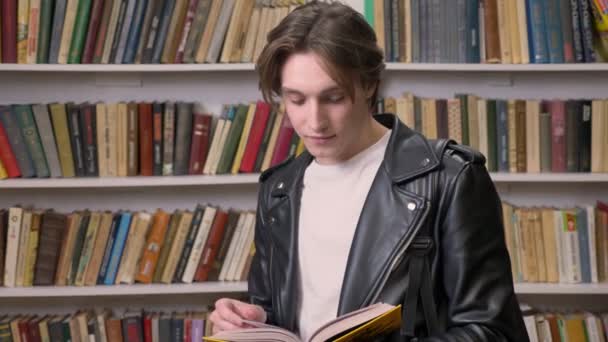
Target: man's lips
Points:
(320, 139)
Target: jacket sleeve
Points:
(260, 292)
(474, 264)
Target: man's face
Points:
(322, 114)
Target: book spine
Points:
(80, 31)
(17, 142)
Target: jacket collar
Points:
(407, 156)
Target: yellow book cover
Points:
(3, 173)
(26, 223)
(62, 137)
(32, 249)
(244, 138)
(360, 325)
(301, 148)
(23, 16)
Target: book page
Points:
(371, 321)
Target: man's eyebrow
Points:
(287, 90)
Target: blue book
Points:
(586, 31)
(189, 244)
(103, 270)
(537, 36)
(117, 248)
(583, 244)
(134, 39)
(553, 28)
(17, 142)
(163, 28)
(579, 55)
(502, 135)
(58, 16)
(472, 29)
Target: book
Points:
(360, 325)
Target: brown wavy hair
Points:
(338, 34)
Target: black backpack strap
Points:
(420, 283)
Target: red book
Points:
(602, 206)
(34, 330)
(93, 29)
(146, 137)
(7, 156)
(147, 328)
(187, 329)
(179, 56)
(281, 149)
(211, 246)
(199, 143)
(9, 31)
(256, 135)
(558, 135)
(102, 32)
(24, 329)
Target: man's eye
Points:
(335, 98)
(297, 101)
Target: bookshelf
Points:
(216, 84)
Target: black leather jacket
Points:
(470, 267)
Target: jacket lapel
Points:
(390, 217)
(284, 213)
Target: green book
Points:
(80, 31)
(25, 118)
(464, 121)
(44, 32)
(264, 145)
(491, 157)
(545, 141)
(369, 12)
(232, 141)
(78, 244)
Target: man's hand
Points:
(229, 314)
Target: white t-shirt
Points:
(332, 199)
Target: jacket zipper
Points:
(375, 293)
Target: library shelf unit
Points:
(217, 84)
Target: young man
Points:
(373, 211)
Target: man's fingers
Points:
(229, 313)
(250, 312)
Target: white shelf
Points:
(241, 287)
(500, 177)
(593, 67)
(119, 182)
(122, 290)
(126, 67)
(168, 181)
(561, 289)
(453, 67)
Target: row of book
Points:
(86, 248)
(491, 31)
(554, 245)
(138, 31)
(145, 139)
(107, 326)
(566, 327)
(514, 135)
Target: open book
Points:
(361, 325)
